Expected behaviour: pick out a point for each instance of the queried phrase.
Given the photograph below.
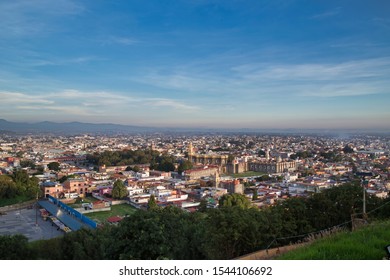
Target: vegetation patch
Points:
(14, 200)
(367, 243)
(247, 174)
(120, 210)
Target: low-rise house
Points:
(79, 186)
(52, 188)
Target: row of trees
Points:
(230, 231)
(125, 157)
(157, 161)
(18, 184)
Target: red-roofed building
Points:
(114, 220)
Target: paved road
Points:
(23, 221)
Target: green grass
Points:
(15, 200)
(367, 243)
(247, 174)
(116, 210)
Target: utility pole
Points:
(364, 201)
(36, 210)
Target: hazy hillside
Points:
(70, 127)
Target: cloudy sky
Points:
(197, 63)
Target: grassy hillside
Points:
(367, 243)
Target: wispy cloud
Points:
(180, 81)
(368, 68)
(252, 81)
(124, 41)
(29, 18)
(12, 98)
(80, 103)
(55, 61)
(162, 102)
(327, 14)
(117, 40)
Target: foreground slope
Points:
(367, 243)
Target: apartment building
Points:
(79, 186)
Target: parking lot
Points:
(29, 223)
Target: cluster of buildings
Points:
(265, 168)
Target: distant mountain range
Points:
(71, 128)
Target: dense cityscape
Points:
(274, 165)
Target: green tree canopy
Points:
(119, 190)
(55, 166)
(8, 187)
(152, 204)
(26, 185)
(27, 163)
(184, 165)
(348, 149)
(235, 199)
(255, 195)
(14, 247)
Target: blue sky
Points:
(197, 63)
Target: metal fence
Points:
(73, 212)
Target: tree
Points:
(294, 213)
(141, 236)
(203, 205)
(166, 163)
(64, 178)
(7, 187)
(262, 178)
(230, 158)
(235, 199)
(83, 244)
(19, 154)
(55, 166)
(136, 168)
(22, 180)
(255, 195)
(347, 149)
(119, 190)
(152, 204)
(14, 247)
(231, 232)
(184, 165)
(32, 188)
(301, 154)
(27, 163)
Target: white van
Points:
(71, 195)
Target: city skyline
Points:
(223, 64)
